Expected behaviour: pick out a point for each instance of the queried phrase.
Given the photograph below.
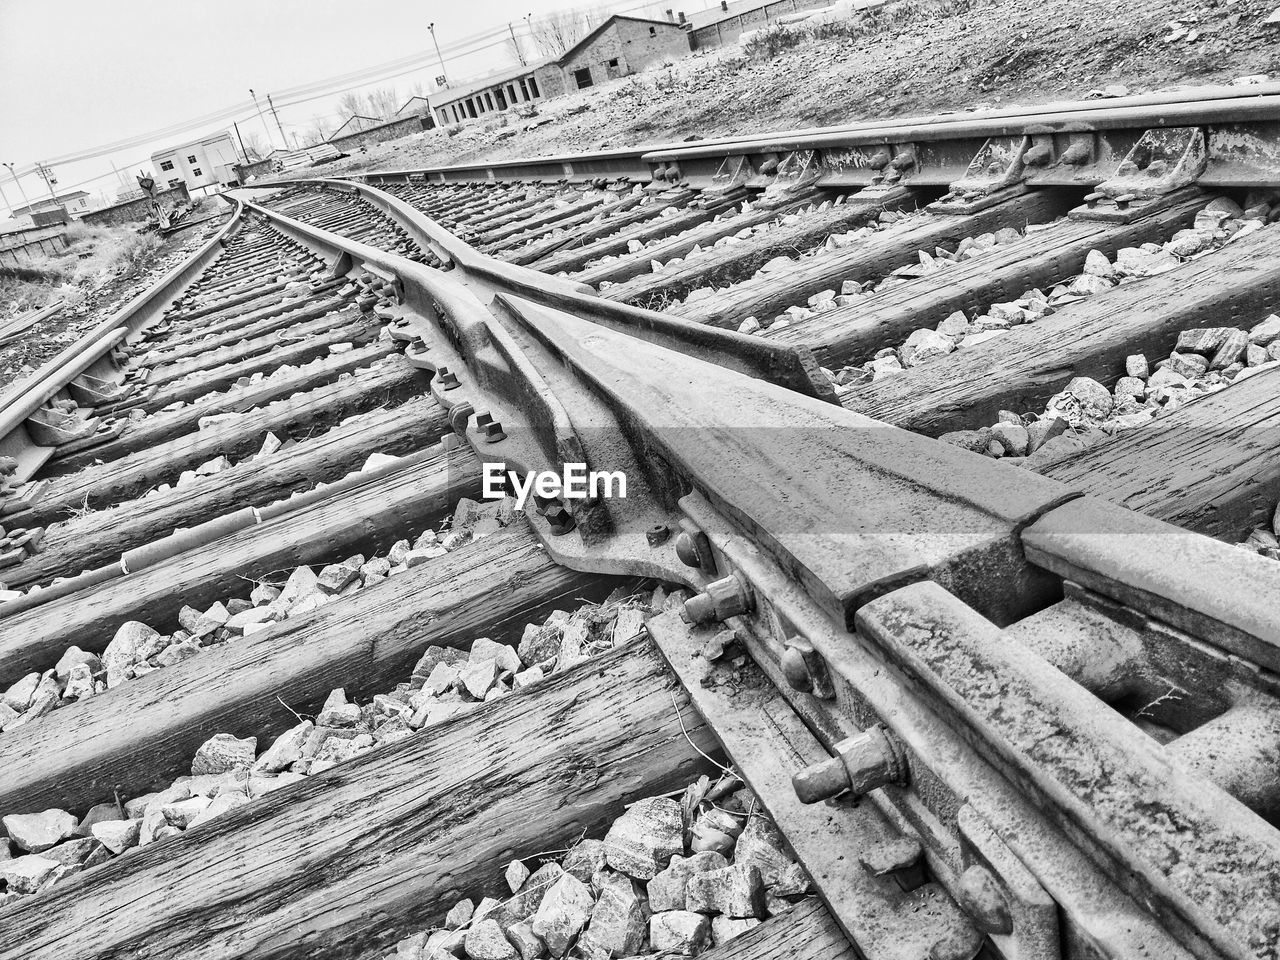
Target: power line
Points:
(244, 109)
(307, 92)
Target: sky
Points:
(80, 74)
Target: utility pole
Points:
(8, 206)
(243, 152)
(283, 138)
(516, 43)
(270, 139)
(444, 73)
(49, 180)
(25, 201)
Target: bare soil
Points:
(919, 57)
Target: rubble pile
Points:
(228, 771)
(672, 877)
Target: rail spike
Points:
(1163, 162)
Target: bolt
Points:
(907, 158)
(489, 428)
(980, 896)
(560, 519)
(880, 159)
(446, 378)
(657, 535)
(960, 943)
(805, 669)
(902, 859)
(1038, 156)
(721, 600)
(687, 550)
(459, 416)
(862, 763)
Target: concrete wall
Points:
(135, 211)
(392, 130)
(259, 168)
(632, 44)
(727, 31)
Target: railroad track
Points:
(921, 629)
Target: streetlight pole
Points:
(270, 139)
(443, 72)
(20, 190)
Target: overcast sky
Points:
(75, 74)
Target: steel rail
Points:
(790, 588)
(1215, 105)
(92, 348)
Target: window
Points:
(583, 78)
(502, 100)
(195, 172)
(533, 87)
(174, 183)
(488, 99)
(192, 159)
(511, 93)
(653, 31)
(614, 62)
(471, 108)
(524, 88)
(166, 165)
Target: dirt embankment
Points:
(915, 57)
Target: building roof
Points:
(416, 96)
(610, 22)
(452, 94)
(49, 201)
(356, 118)
(220, 135)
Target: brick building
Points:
(198, 165)
(620, 46)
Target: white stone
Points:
(37, 832)
(223, 752)
(116, 835)
(564, 910)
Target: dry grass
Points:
(773, 41)
(94, 255)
